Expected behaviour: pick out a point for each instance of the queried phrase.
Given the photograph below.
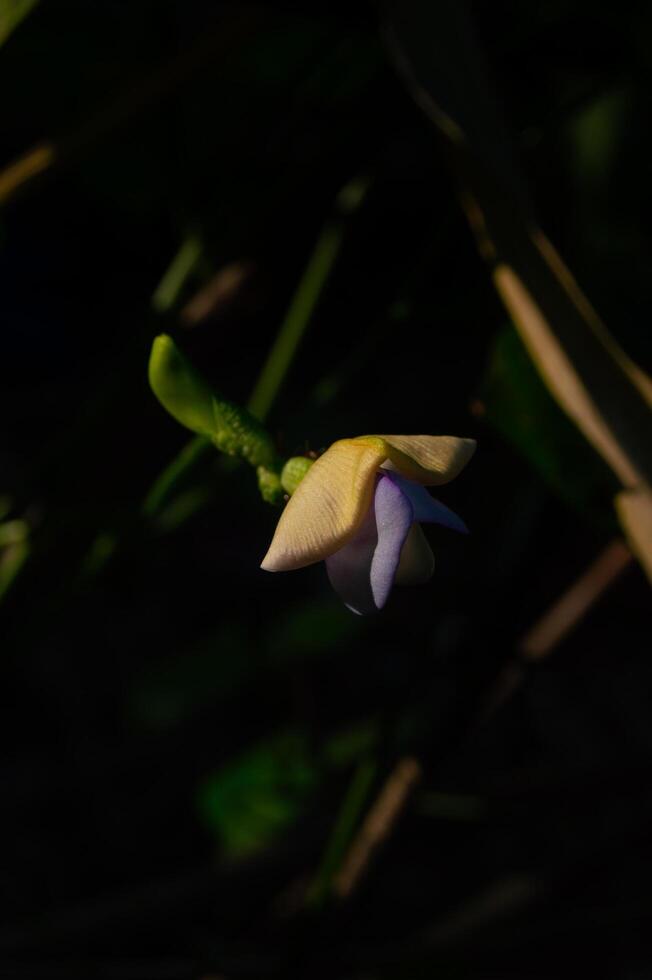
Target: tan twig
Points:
(559, 620)
(571, 608)
(134, 99)
(377, 825)
(219, 294)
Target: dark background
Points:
(180, 731)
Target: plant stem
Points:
(304, 301)
(166, 481)
(284, 348)
(176, 275)
(347, 820)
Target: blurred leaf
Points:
(311, 629)
(635, 512)
(181, 267)
(349, 746)
(519, 406)
(13, 556)
(595, 136)
(6, 503)
(175, 688)
(23, 169)
(182, 507)
(597, 385)
(117, 54)
(554, 319)
(174, 473)
(343, 830)
(252, 800)
(452, 806)
(13, 532)
(11, 14)
(99, 553)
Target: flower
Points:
(359, 508)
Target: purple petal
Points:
(426, 509)
(362, 572)
(394, 518)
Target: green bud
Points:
(188, 397)
(179, 388)
(269, 485)
(294, 471)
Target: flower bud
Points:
(294, 471)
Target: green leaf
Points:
(343, 830)
(311, 629)
(251, 801)
(350, 745)
(11, 14)
(519, 406)
(176, 688)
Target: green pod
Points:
(179, 388)
(188, 397)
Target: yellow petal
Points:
(328, 506)
(431, 460)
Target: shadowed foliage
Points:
(209, 770)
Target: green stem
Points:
(176, 275)
(167, 480)
(304, 301)
(347, 820)
(281, 355)
(163, 299)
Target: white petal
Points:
(417, 560)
